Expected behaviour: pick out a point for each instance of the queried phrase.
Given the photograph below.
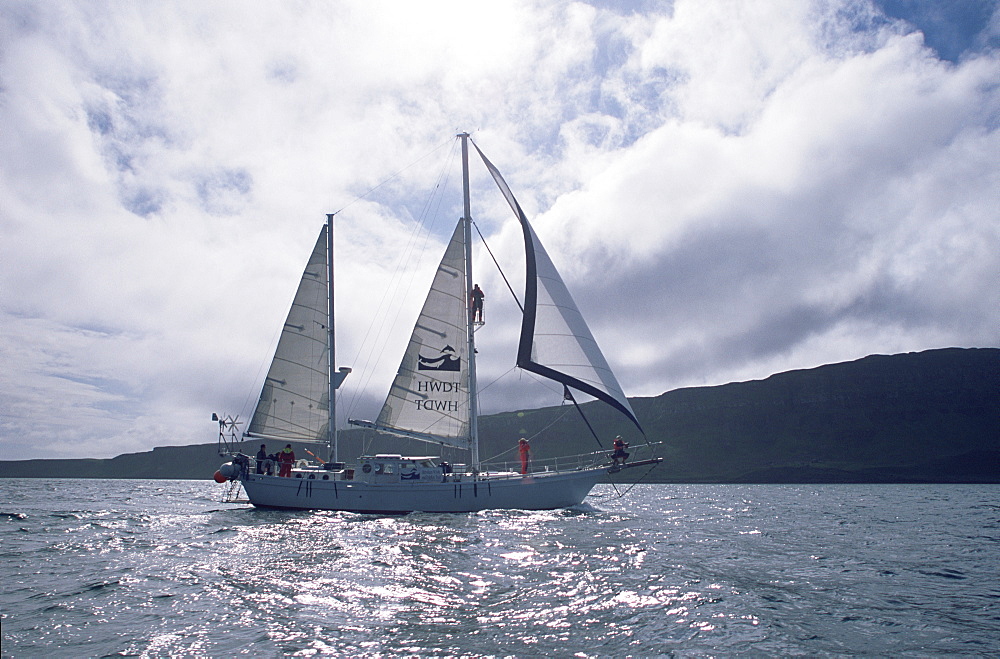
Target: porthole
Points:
(367, 468)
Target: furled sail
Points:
(294, 401)
(429, 399)
(555, 340)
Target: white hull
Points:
(542, 491)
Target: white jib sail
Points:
(429, 399)
(555, 339)
(294, 401)
(562, 341)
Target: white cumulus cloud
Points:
(731, 189)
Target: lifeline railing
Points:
(491, 469)
(561, 463)
(542, 465)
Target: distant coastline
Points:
(927, 417)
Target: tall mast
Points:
(331, 433)
(467, 222)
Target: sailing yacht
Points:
(433, 397)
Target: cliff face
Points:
(920, 417)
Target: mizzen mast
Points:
(336, 378)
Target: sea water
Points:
(161, 568)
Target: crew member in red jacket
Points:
(619, 453)
(524, 448)
(286, 459)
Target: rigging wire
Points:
(376, 337)
(568, 394)
(499, 269)
(395, 175)
(497, 379)
(637, 481)
(530, 438)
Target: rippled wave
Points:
(151, 568)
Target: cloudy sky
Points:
(732, 189)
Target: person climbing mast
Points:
(476, 298)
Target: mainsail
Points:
(555, 340)
(429, 399)
(294, 401)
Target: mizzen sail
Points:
(294, 401)
(555, 340)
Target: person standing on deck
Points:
(286, 459)
(524, 448)
(261, 458)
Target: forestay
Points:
(294, 401)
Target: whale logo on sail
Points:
(446, 361)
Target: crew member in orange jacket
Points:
(619, 453)
(524, 448)
(286, 459)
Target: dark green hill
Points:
(932, 416)
(185, 462)
(923, 417)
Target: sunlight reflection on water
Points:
(817, 570)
